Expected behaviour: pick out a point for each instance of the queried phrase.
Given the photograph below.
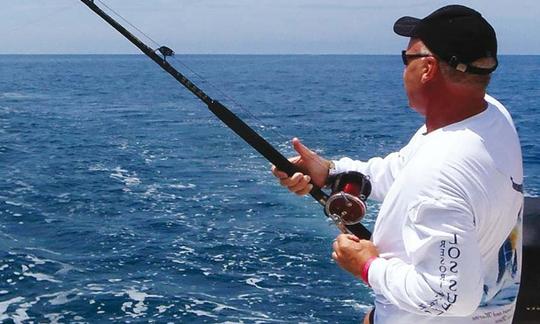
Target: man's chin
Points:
(417, 109)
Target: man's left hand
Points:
(352, 253)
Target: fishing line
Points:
(127, 22)
(344, 210)
(200, 77)
(235, 103)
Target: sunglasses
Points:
(406, 57)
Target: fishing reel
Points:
(347, 203)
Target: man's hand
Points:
(312, 168)
(352, 253)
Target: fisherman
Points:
(446, 246)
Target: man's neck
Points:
(451, 108)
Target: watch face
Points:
(331, 165)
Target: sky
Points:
(246, 26)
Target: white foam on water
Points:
(244, 296)
(63, 297)
(98, 167)
(124, 176)
(139, 307)
(124, 145)
(41, 277)
(54, 318)
(65, 269)
(199, 313)
(42, 249)
(4, 305)
(218, 307)
(14, 95)
(6, 109)
(198, 198)
(254, 282)
(23, 187)
(182, 186)
(276, 275)
(95, 287)
(139, 296)
(356, 305)
(12, 203)
(184, 250)
(37, 260)
(20, 315)
(151, 191)
(202, 313)
(217, 258)
(206, 271)
(125, 306)
(265, 319)
(64, 197)
(162, 308)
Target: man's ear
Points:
(430, 69)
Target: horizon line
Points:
(246, 54)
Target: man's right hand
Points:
(312, 168)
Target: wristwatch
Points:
(331, 172)
(331, 167)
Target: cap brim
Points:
(406, 26)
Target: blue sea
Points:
(123, 199)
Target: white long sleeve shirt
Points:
(449, 227)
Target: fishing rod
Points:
(342, 206)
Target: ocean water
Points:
(122, 199)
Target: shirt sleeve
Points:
(443, 277)
(381, 171)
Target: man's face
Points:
(412, 75)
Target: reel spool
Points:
(347, 203)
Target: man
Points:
(446, 246)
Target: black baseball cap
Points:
(456, 34)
